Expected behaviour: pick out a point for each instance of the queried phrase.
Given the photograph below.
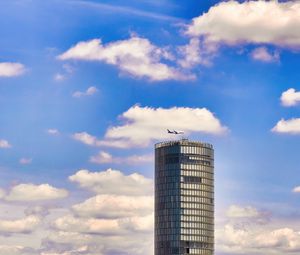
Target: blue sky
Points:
(94, 84)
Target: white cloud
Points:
(37, 210)
(31, 192)
(135, 56)
(243, 234)
(290, 97)
(296, 189)
(104, 157)
(145, 124)
(53, 131)
(25, 225)
(121, 226)
(284, 238)
(247, 212)
(291, 126)
(79, 251)
(115, 206)
(264, 55)
(86, 138)
(4, 144)
(59, 77)
(62, 237)
(197, 52)
(16, 250)
(138, 223)
(25, 161)
(90, 140)
(89, 226)
(260, 22)
(89, 92)
(139, 243)
(235, 239)
(8, 69)
(119, 220)
(139, 159)
(235, 211)
(106, 182)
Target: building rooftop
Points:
(183, 142)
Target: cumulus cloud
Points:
(25, 225)
(247, 212)
(135, 56)
(118, 220)
(290, 97)
(8, 69)
(197, 52)
(86, 139)
(236, 211)
(32, 192)
(139, 159)
(140, 243)
(285, 238)
(234, 239)
(89, 226)
(77, 251)
(105, 182)
(25, 161)
(242, 234)
(66, 237)
(104, 157)
(264, 55)
(4, 144)
(115, 206)
(142, 125)
(296, 189)
(53, 131)
(291, 126)
(259, 22)
(16, 250)
(89, 92)
(91, 140)
(121, 226)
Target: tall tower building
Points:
(184, 198)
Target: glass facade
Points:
(184, 198)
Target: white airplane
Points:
(174, 132)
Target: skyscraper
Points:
(184, 198)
